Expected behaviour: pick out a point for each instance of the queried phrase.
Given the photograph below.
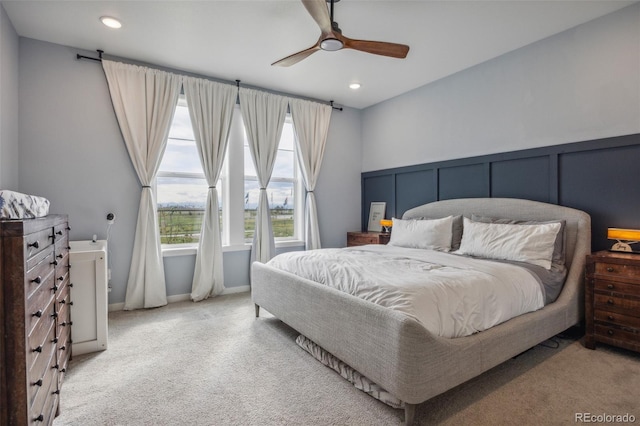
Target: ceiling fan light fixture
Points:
(110, 22)
(331, 44)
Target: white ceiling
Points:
(239, 39)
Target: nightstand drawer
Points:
(628, 335)
(630, 289)
(615, 269)
(616, 318)
(362, 238)
(617, 304)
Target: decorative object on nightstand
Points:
(612, 300)
(386, 225)
(625, 238)
(376, 212)
(362, 238)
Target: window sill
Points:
(192, 249)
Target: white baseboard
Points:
(182, 297)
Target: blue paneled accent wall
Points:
(601, 177)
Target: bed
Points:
(396, 351)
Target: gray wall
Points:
(578, 85)
(8, 103)
(72, 152)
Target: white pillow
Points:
(523, 243)
(431, 234)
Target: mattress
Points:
(450, 295)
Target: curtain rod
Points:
(237, 82)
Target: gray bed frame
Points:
(394, 350)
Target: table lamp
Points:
(624, 237)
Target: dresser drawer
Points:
(61, 231)
(38, 241)
(44, 408)
(40, 306)
(38, 273)
(615, 269)
(41, 372)
(42, 335)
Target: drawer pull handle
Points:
(68, 228)
(610, 286)
(71, 303)
(34, 245)
(59, 232)
(64, 370)
(68, 248)
(54, 315)
(55, 340)
(38, 383)
(54, 263)
(54, 288)
(63, 324)
(70, 284)
(37, 280)
(56, 392)
(59, 256)
(38, 349)
(610, 332)
(39, 418)
(610, 269)
(60, 278)
(610, 302)
(37, 314)
(55, 367)
(63, 347)
(62, 302)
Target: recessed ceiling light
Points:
(110, 22)
(354, 86)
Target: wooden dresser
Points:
(36, 329)
(362, 238)
(612, 300)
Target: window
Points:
(181, 187)
(281, 190)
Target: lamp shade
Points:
(386, 222)
(623, 234)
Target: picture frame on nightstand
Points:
(376, 213)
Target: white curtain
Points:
(311, 125)
(263, 114)
(144, 101)
(211, 109)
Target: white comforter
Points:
(452, 296)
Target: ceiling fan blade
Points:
(296, 57)
(319, 12)
(393, 50)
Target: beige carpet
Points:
(214, 363)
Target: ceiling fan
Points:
(331, 38)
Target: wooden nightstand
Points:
(362, 238)
(612, 300)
